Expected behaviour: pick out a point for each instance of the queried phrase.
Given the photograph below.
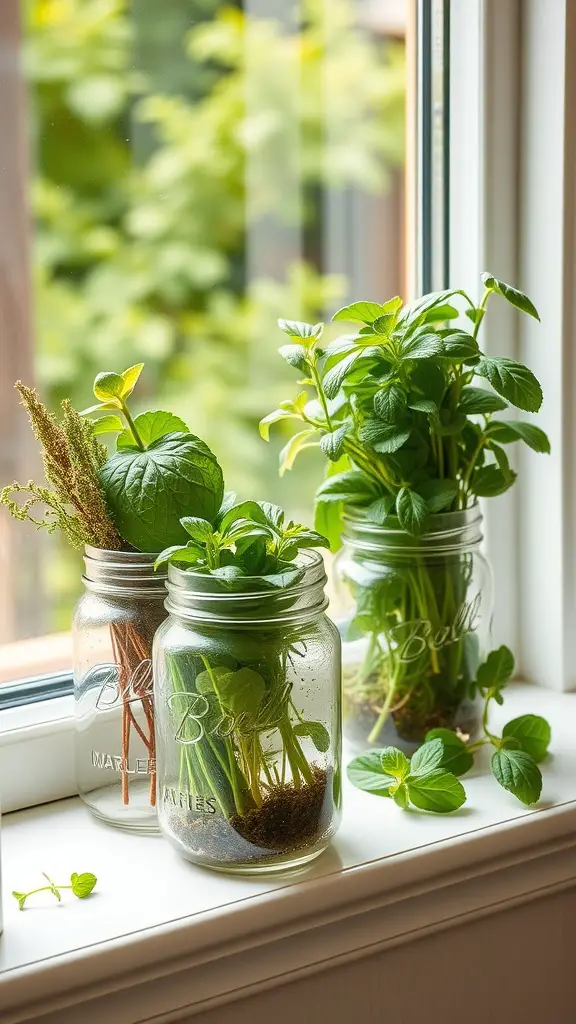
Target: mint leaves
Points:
(421, 781)
(429, 781)
(396, 402)
(248, 539)
(81, 885)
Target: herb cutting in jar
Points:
(262, 777)
(412, 442)
(131, 500)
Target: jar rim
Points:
(446, 532)
(204, 598)
(307, 560)
(119, 573)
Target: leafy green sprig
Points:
(81, 885)
(422, 781)
(247, 539)
(396, 413)
(521, 747)
(514, 763)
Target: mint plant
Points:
(243, 741)
(428, 779)
(81, 885)
(407, 409)
(521, 747)
(422, 781)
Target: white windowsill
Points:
(160, 935)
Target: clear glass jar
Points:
(247, 691)
(113, 628)
(417, 624)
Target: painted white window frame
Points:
(512, 211)
(513, 143)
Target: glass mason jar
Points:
(113, 628)
(247, 693)
(417, 625)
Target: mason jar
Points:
(113, 628)
(247, 693)
(416, 622)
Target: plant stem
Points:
(386, 707)
(132, 426)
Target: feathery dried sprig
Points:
(71, 456)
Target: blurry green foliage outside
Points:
(142, 129)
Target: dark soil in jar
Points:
(407, 727)
(289, 820)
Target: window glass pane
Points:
(191, 175)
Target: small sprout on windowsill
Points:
(81, 885)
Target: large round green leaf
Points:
(148, 492)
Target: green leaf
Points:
(327, 520)
(489, 481)
(384, 324)
(332, 443)
(412, 510)
(298, 329)
(497, 669)
(108, 386)
(21, 897)
(384, 438)
(317, 732)
(459, 347)
(427, 758)
(517, 772)
(512, 295)
(179, 553)
(82, 885)
(512, 380)
(394, 763)
(456, 758)
(151, 426)
(148, 492)
(295, 445)
(379, 510)
(351, 486)
(108, 425)
(425, 405)
(336, 376)
(130, 378)
(438, 791)
(390, 403)
(429, 380)
(241, 691)
(230, 513)
(421, 346)
(199, 529)
(440, 313)
(274, 417)
(512, 430)
(438, 494)
(295, 355)
(533, 734)
(361, 312)
(401, 796)
(479, 401)
(366, 773)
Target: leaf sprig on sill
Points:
(445, 755)
(396, 411)
(247, 539)
(421, 781)
(81, 885)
